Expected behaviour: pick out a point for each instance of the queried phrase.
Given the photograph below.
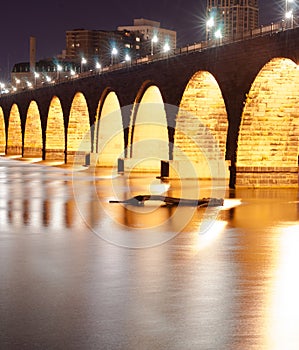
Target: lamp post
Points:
(83, 61)
(59, 69)
(36, 75)
(210, 24)
(113, 53)
(153, 41)
(218, 35)
(289, 16)
(98, 66)
(2, 86)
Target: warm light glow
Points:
(284, 316)
(209, 232)
(83, 61)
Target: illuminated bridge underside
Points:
(268, 140)
(149, 133)
(14, 133)
(55, 133)
(201, 129)
(109, 134)
(78, 135)
(2, 133)
(33, 140)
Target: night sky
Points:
(49, 20)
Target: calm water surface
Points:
(78, 272)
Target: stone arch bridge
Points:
(236, 102)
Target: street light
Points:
(98, 66)
(127, 58)
(59, 69)
(166, 47)
(114, 52)
(289, 12)
(36, 75)
(83, 61)
(2, 86)
(210, 24)
(153, 41)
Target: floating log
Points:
(171, 201)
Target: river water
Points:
(79, 272)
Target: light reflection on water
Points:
(233, 286)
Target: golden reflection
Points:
(210, 231)
(284, 309)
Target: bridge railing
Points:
(270, 29)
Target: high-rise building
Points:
(97, 45)
(156, 39)
(229, 19)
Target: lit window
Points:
(137, 39)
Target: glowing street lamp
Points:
(98, 66)
(36, 76)
(218, 34)
(166, 47)
(153, 41)
(210, 24)
(2, 86)
(59, 69)
(127, 58)
(289, 12)
(114, 52)
(83, 61)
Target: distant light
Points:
(36, 75)
(48, 79)
(59, 67)
(18, 81)
(114, 51)
(166, 47)
(127, 58)
(289, 14)
(218, 34)
(29, 84)
(83, 61)
(155, 39)
(72, 72)
(210, 22)
(98, 65)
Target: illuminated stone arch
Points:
(269, 131)
(33, 139)
(149, 133)
(2, 132)
(201, 126)
(109, 133)
(55, 132)
(78, 131)
(14, 132)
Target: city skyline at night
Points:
(50, 25)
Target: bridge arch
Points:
(14, 132)
(269, 130)
(55, 132)
(33, 139)
(201, 124)
(109, 133)
(149, 141)
(2, 132)
(78, 130)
